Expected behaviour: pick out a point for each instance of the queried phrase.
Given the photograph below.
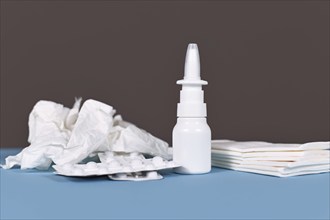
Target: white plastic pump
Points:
(191, 134)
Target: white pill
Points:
(91, 165)
(136, 163)
(158, 161)
(121, 175)
(152, 174)
(114, 164)
(150, 167)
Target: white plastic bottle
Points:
(192, 135)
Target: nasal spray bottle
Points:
(191, 134)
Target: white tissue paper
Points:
(89, 134)
(50, 127)
(68, 136)
(280, 160)
(134, 139)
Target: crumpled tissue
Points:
(61, 135)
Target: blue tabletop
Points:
(221, 194)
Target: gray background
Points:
(267, 63)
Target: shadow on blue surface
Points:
(59, 178)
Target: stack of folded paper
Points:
(272, 159)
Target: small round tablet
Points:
(152, 174)
(114, 164)
(121, 175)
(91, 165)
(136, 163)
(150, 167)
(158, 161)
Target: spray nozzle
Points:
(192, 64)
(192, 67)
(191, 95)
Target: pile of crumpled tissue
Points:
(280, 160)
(90, 141)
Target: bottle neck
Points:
(191, 93)
(196, 120)
(191, 102)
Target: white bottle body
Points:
(192, 146)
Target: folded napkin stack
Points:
(280, 160)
